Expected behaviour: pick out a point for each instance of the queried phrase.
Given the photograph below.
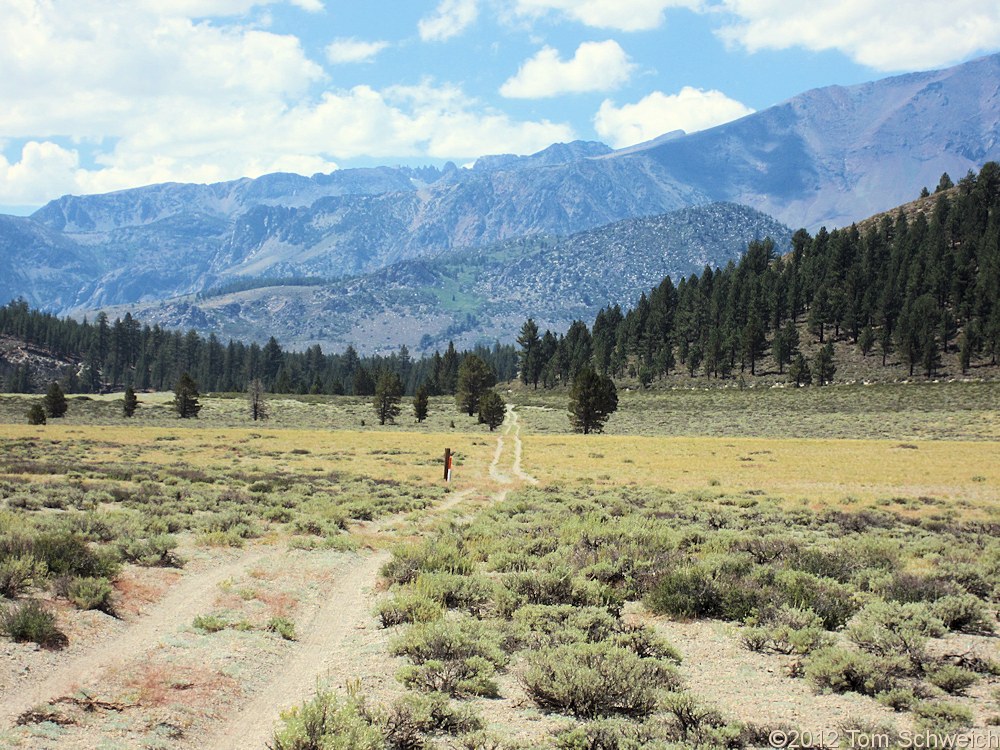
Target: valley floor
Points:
(253, 565)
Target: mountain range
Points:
(828, 157)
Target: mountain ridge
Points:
(832, 156)
(475, 296)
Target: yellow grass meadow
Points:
(410, 456)
(966, 474)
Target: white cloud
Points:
(596, 66)
(624, 15)
(217, 8)
(415, 120)
(353, 51)
(42, 173)
(689, 110)
(881, 34)
(449, 19)
(110, 95)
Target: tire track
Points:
(518, 449)
(186, 599)
(326, 649)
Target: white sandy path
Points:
(325, 650)
(328, 650)
(189, 597)
(518, 449)
(512, 430)
(495, 472)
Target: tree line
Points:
(907, 288)
(124, 353)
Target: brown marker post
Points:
(447, 464)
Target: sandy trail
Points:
(187, 598)
(330, 649)
(518, 448)
(511, 430)
(324, 651)
(334, 639)
(495, 471)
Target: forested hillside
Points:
(908, 293)
(910, 290)
(102, 356)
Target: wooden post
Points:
(447, 464)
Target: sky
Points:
(101, 95)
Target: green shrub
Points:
(454, 591)
(835, 603)
(589, 680)
(211, 623)
(449, 640)
(687, 592)
(406, 721)
(70, 555)
(458, 678)
(691, 716)
(612, 734)
(898, 699)
(543, 625)
(940, 717)
(838, 670)
(787, 630)
(283, 627)
(319, 526)
(18, 573)
(645, 643)
(436, 554)
(277, 514)
(908, 587)
(91, 593)
(157, 550)
(726, 588)
(326, 723)
(408, 608)
(952, 679)
(889, 628)
(965, 613)
(231, 538)
(30, 621)
(541, 587)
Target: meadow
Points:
(719, 566)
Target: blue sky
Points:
(99, 95)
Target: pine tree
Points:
(186, 397)
(448, 380)
(823, 366)
(866, 340)
(786, 345)
(593, 398)
(131, 402)
(492, 409)
(55, 401)
(421, 403)
(363, 383)
(474, 378)
(257, 401)
(388, 393)
(36, 414)
(530, 354)
(799, 372)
